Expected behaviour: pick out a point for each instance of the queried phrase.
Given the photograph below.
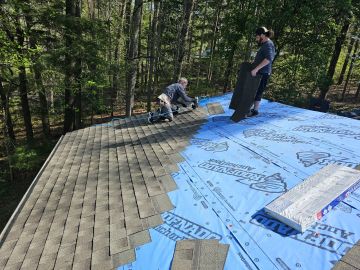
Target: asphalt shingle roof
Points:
(99, 193)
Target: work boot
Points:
(253, 112)
(176, 110)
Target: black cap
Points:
(261, 30)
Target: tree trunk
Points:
(7, 116)
(187, 11)
(153, 39)
(249, 42)
(77, 74)
(140, 79)
(23, 86)
(68, 97)
(335, 57)
(342, 73)
(191, 36)
(127, 24)
(158, 54)
(116, 69)
(25, 103)
(44, 112)
(213, 42)
(8, 141)
(72, 114)
(229, 68)
(68, 82)
(357, 91)
(133, 56)
(8, 130)
(42, 101)
(91, 7)
(78, 94)
(350, 69)
(201, 45)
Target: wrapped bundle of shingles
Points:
(314, 197)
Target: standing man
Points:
(174, 94)
(263, 64)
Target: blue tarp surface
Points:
(232, 170)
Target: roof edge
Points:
(13, 217)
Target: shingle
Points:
(151, 222)
(34, 250)
(15, 266)
(215, 108)
(30, 262)
(7, 247)
(352, 257)
(47, 261)
(101, 241)
(18, 254)
(119, 245)
(167, 182)
(84, 264)
(3, 260)
(139, 238)
(176, 158)
(64, 263)
(101, 192)
(199, 254)
(66, 250)
(340, 265)
(122, 258)
(101, 256)
(162, 203)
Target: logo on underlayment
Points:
(272, 135)
(330, 116)
(309, 158)
(344, 208)
(271, 184)
(322, 236)
(329, 130)
(218, 191)
(178, 228)
(356, 195)
(210, 146)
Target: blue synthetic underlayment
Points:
(232, 170)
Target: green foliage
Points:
(305, 34)
(24, 158)
(29, 157)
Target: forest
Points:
(68, 64)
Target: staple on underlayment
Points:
(316, 196)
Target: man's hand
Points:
(254, 72)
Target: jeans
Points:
(262, 86)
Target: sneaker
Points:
(253, 113)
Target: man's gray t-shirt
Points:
(267, 50)
(176, 90)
